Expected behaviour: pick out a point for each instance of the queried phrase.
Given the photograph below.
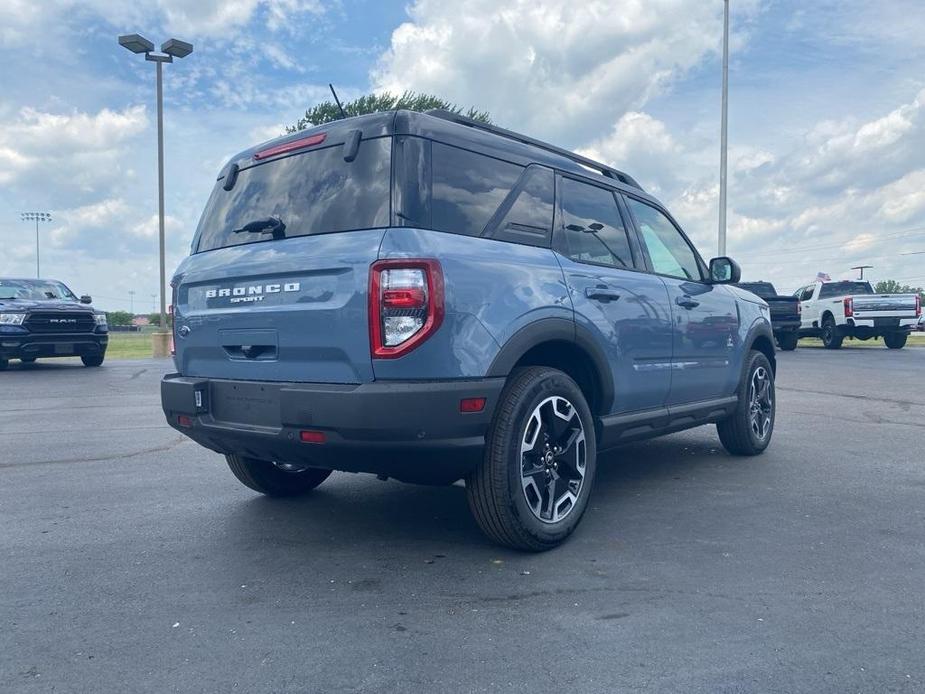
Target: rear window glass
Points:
(844, 288)
(468, 188)
(315, 192)
(763, 289)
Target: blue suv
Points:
(429, 298)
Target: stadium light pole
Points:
(36, 217)
(170, 49)
(721, 246)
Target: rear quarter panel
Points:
(493, 289)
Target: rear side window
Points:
(528, 218)
(315, 192)
(594, 230)
(468, 188)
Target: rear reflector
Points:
(312, 437)
(472, 404)
(184, 421)
(290, 146)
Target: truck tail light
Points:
(849, 307)
(405, 305)
(799, 308)
(918, 305)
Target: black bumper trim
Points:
(409, 430)
(44, 345)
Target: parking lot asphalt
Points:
(132, 560)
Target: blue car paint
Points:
(321, 329)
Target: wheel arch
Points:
(761, 338)
(560, 344)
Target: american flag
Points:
(823, 277)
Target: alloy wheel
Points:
(553, 459)
(760, 403)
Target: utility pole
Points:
(131, 298)
(861, 268)
(721, 246)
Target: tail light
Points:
(918, 305)
(405, 305)
(849, 307)
(173, 322)
(799, 308)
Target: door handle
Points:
(601, 294)
(686, 302)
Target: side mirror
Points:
(724, 270)
(85, 299)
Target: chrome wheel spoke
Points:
(553, 459)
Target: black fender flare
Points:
(556, 330)
(762, 328)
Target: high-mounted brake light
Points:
(405, 305)
(849, 307)
(290, 146)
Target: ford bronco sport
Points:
(429, 298)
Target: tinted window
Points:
(529, 219)
(807, 294)
(668, 250)
(468, 188)
(312, 193)
(763, 289)
(593, 227)
(844, 288)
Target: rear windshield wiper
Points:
(270, 225)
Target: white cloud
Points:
(558, 68)
(68, 150)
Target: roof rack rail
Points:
(605, 170)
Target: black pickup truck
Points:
(43, 318)
(785, 313)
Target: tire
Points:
(93, 361)
(748, 431)
(831, 338)
(895, 340)
(524, 494)
(268, 478)
(788, 341)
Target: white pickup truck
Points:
(836, 310)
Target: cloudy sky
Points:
(827, 114)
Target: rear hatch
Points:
(276, 288)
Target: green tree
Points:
(327, 111)
(894, 287)
(119, 318)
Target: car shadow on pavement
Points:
(361, 512)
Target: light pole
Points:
(170, 49)
(862, 268)
(721, 246)
(131, 302)
(36, 217)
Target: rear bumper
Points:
(785, 326)
(409, 430)
(39, 345)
